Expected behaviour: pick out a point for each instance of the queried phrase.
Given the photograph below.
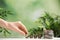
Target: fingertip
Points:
(23, 28)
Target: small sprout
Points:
(35, 33)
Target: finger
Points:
(21, 27)
(14, 28)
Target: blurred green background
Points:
(27, 11)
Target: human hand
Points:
(18, 27)
(14, 26)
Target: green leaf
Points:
(7, 31)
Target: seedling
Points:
(35, 33)
(47, 23)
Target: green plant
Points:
(3, 14)
(35, 32)
(50, 23)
